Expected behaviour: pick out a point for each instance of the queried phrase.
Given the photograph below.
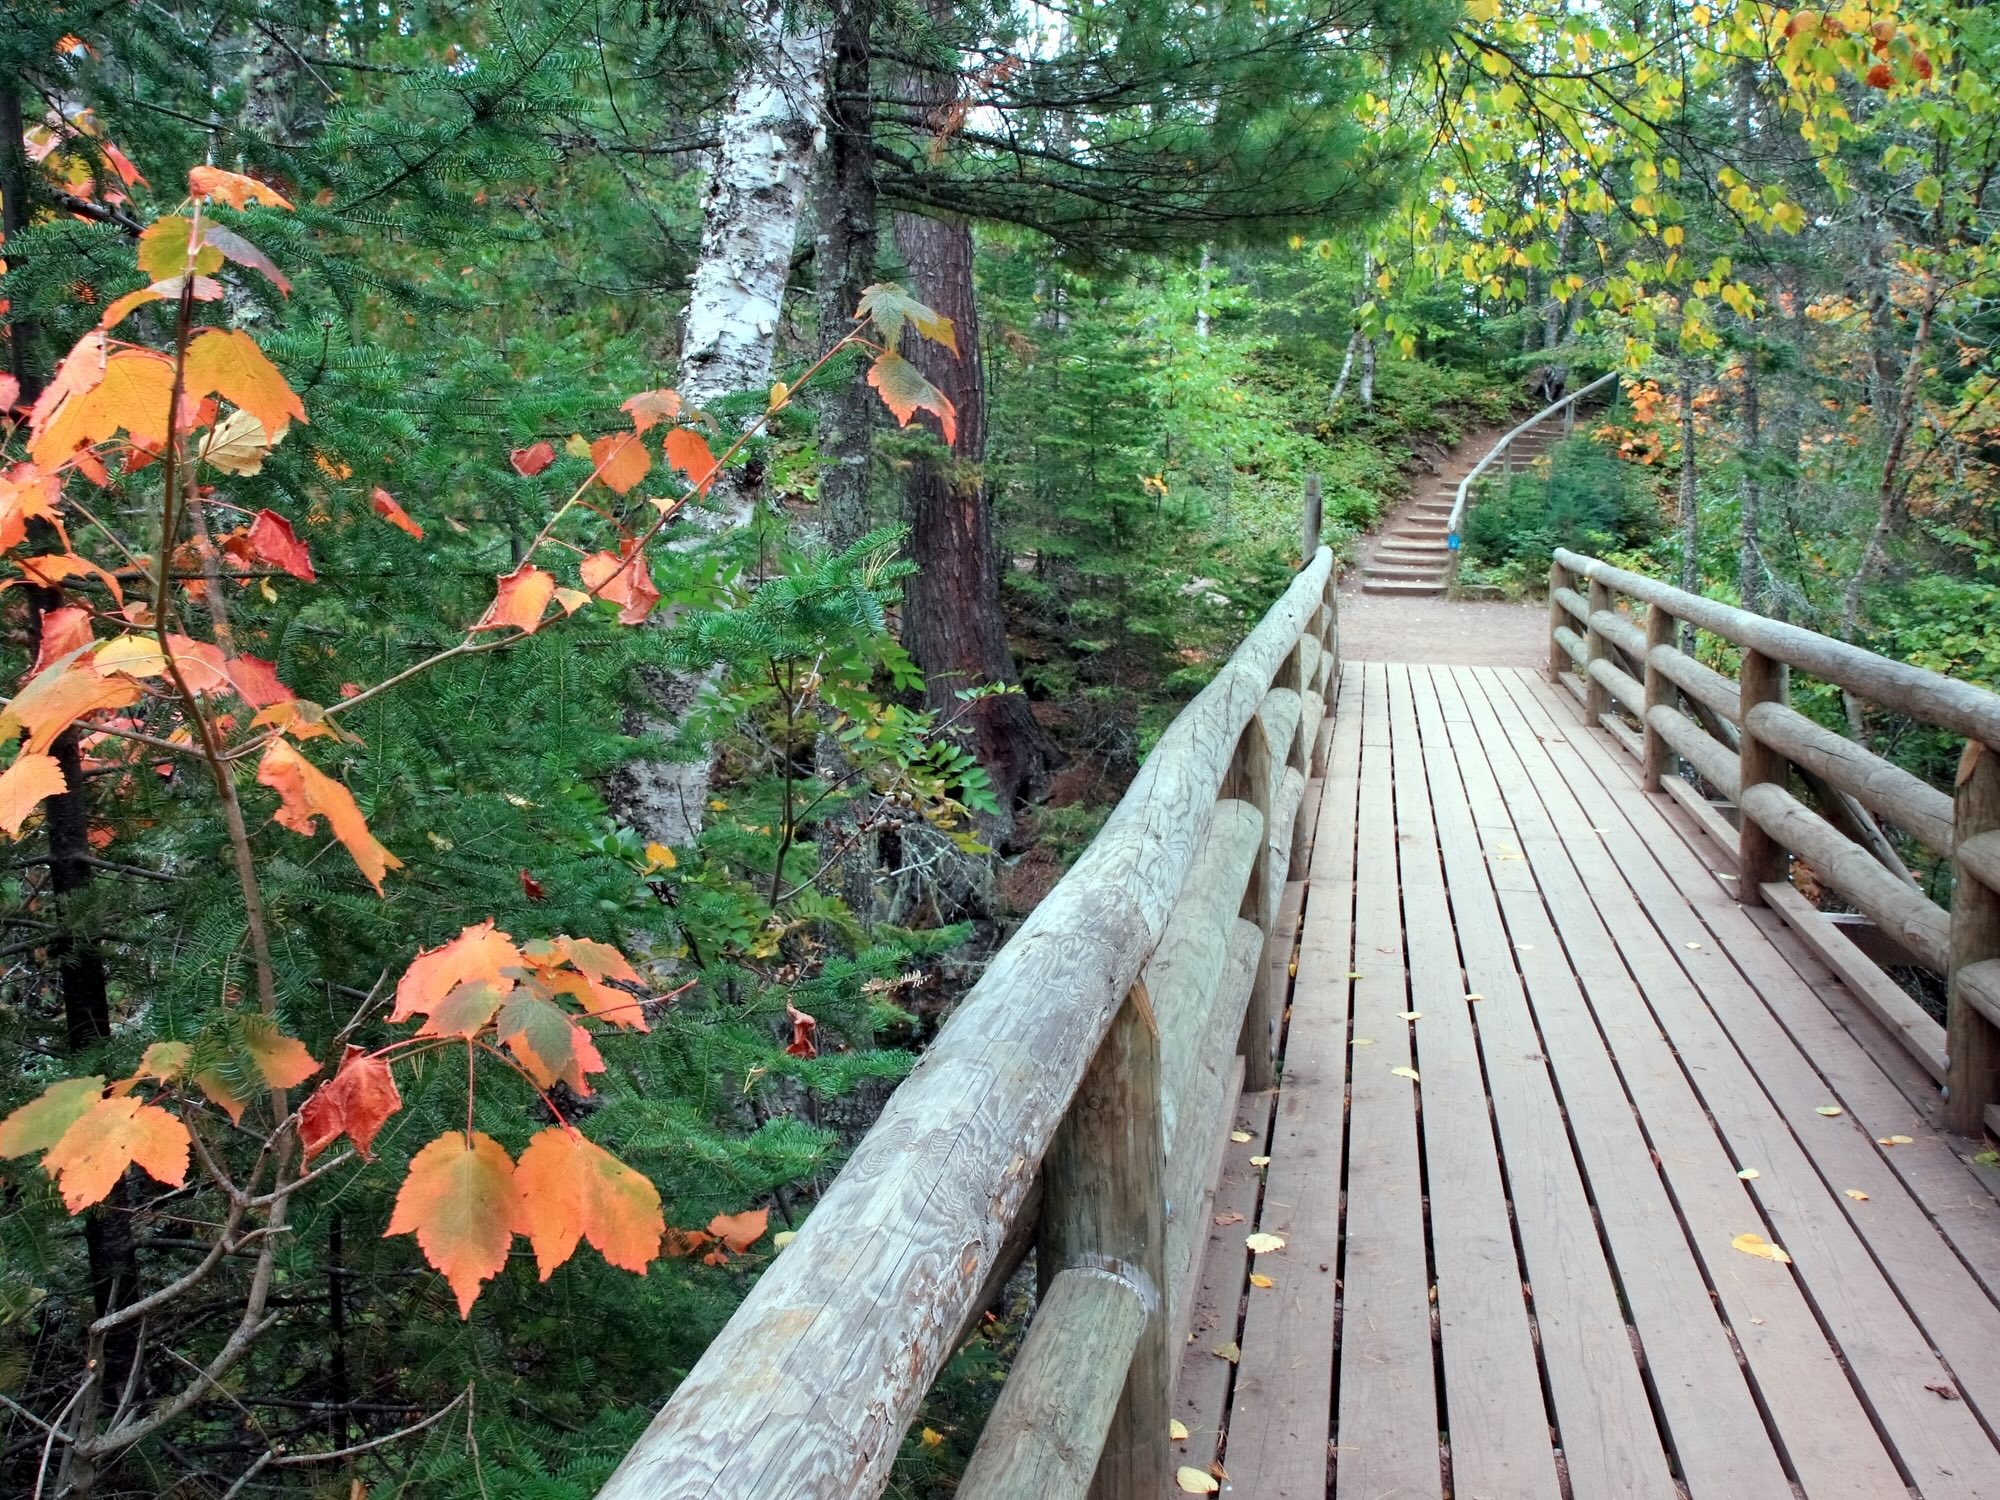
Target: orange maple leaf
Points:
(354, 1102)
(688, 451)
(58, 697)
(387, 508)
(272, 540)
(459, 1202)
(477, 953)
(740, 1231)
(595, 965)
(621, 459)
(626, 580)
(228, 363)
(521, 600)
(650, 408)
(133, 393)
(232, 188)
(905, 391)
(110, 1136)
(23, 786)
(530, 461)
(63, 630)
(306, 792)
(570, 1188)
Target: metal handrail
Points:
(1465, 484)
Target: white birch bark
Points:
(770, 135)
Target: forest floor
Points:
(1440, 630)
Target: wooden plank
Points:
(1495, 1415)
(1280, 1420)
(1188, 1279)
(1045, 1433)
(1627, 737)
(1718, 1436)
(1386, 1422)
(1805, 1162)
(1905, 1020)
(1201, 1393)
(1974, 1042)
(1720, 832)
(1957, 1194)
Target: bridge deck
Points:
(1510, 1270)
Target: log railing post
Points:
(1104, 1202)
(1972, 1045)
(1597, 697)
(1310, 526)
(1558, 619)
(1758, 856)
(1659, 693)
(1251, 779)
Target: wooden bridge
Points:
(1436, 1082)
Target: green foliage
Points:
(1581, 497)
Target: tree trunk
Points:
(1749, 552)
(843, 267)
(750, 224)
(953, 624)
(1690, 518)
(1201, 294)
(1346, 369)
(1368, 373)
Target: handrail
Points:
(1754, 765)
(1054, 1060)
(1465, 484)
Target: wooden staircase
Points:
(1413, 558)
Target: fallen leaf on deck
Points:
(1260, 1280)
(1409, 1073)
(1194, 1481)
(1524, 947)
(1228, 1351)
(1748, 1174)
(1413, 1015)
(1239, 1136)
(1353, 973)
(1987, 1159)
(1260, 1161)
(1756, 1244)
(1692, 944)
(1944, 1388)
(1362, 1041)
(1891, 1140)
(1856, 1194)
(1475, 995)
(1262, 1244)
(1224, 1220)
(1177, 1430)
(1829, 1110)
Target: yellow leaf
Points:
(1239, 1136)
(1413, 1015)
(1228, 1351)
(1362, 1041)
(1177, 1430)
(1893, 1140)
(576, 445)
(1829, 1110)
(1749, 1174)
(1195, 1481)
(1475, 995)
(930, 1437)
(783, 1238)
(1263, 1244)
(1260, 1280)
(1856, 1194)
(1409, 1073)
(1260, 1161)
(659, 857)
(1756, 1244)
(1353, 973)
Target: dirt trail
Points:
(1417, 628)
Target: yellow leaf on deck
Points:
(1260, 1161)
(1239, 1136)
(1413, 1015)
(1362, 1041)
(1177, 1430)
(1894, 1140)
(1353, 973)
(1829, 1110)
(1475, 995)
(1749, 1174)
(1856, 1194)
(1409, 1073)
(1756, 1244)
(1259, 1279)
(1262, 1244)
(1195, 1481)
(1228, 1351)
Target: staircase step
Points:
(1404, 570)
(1408, 590)
(1413, 547)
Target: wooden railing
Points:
(1502, 451)
(1078, 1098)
(1744, 740)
